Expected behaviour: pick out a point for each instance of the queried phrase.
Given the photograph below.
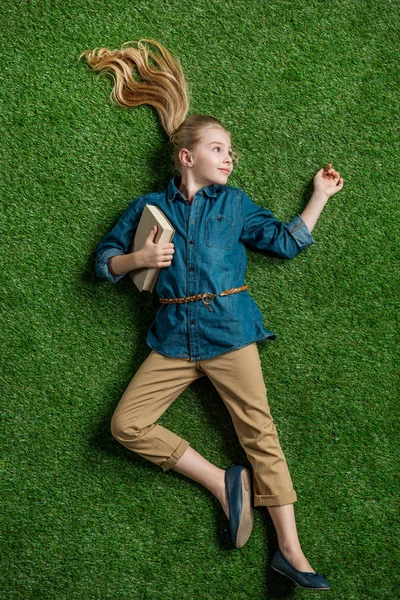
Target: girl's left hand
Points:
(328, 181)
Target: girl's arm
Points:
(124, 263)
(327, 182)
(151, 255)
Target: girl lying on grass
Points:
(207, 324)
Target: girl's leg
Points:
(232, 488)
(196, 467)
(285, 526)
(157, 383)
(238, 378)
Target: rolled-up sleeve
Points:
(119, 240)
(300, 232)
(261, 230)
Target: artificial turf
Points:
(298, 84)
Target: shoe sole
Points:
(302, 586)
(246, 520)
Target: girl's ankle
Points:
(296, 557)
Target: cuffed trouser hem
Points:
(279, 500)
(175, 456)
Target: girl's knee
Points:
(123, 430)
(117, 427)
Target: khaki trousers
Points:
(238, 378)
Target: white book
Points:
(145, 279)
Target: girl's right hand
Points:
(156, 255)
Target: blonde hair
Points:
(163, 87)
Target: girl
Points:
(207, 324)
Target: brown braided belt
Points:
(206, 298)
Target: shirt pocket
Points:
(219, 232)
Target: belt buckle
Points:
(208, 298)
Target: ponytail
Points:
(163, 86)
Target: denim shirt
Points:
(210, 256)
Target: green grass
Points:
(299, 84)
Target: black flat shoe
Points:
(238, 489)
(311, 581)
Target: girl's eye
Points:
(217, 148)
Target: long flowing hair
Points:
(162, 86)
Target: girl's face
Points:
(210, 162)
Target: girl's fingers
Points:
(330, 170)
(166, 256)
(333, 174)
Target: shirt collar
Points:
(173, 192)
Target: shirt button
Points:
(191, 269)
(192, 322)
(191, 242)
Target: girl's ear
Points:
(185, 156)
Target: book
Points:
(145, 279)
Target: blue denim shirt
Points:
(210, 256)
